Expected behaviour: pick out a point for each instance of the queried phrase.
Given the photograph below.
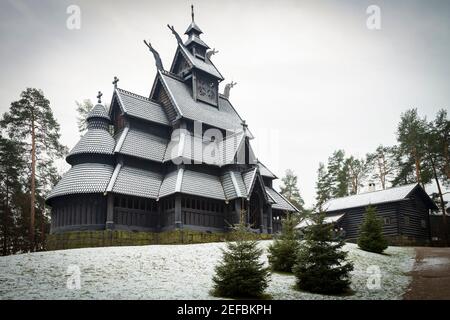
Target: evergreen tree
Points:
(381, 164)
(11, 170)
(283, 251)
(371, 234)
(323, 187)
(411, 136)
(439, 143)
(338, 174)
(321, 265)
(30, 120)
(437, 158)
(291, 191)
(83, 109)
(357, 170)
(241, 273)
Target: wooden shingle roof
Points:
(140, 107)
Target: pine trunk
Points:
(417, 163)
(33, 183)
(446, 164)
(444, 215)
(5, 220)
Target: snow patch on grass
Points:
(173, 272)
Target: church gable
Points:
(181, 66)
(163, 96)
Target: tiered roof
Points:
(138, 160)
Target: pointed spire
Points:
(193, 29)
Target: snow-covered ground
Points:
(173, 272)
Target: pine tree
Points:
(371, 234)
(323, 187)
(11, 170)
(338, 174)
(321, 265)
(411, 136)
(30, 120)
(357, 170)
(83, 109)
(290, 190)
(241, 273)
(381, 164)
(283, 251)
(436, 158)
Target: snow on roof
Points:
(364, 199)
(328, 219)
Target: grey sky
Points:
(311, 77)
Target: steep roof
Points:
(280, 202)
(193, 28)
(224, 116)
(98, 111)
(137, 182)
(192, 182)
(197, 40)
(140, 107)
(375, 197)
(83, 178)
(94, 141)
(233, 185)
(141, 144)
(204, 65)
(265, 171)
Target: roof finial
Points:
(115, 82)
(158, 61)
(192, 12)
(99, 97)
(244, 125)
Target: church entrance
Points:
(255, 209)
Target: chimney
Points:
(371, 186)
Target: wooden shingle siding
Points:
(164, 100)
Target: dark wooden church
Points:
(405, 212)
(180, 158)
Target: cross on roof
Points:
(116, 80)
(99, 97)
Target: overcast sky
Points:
(311, 76)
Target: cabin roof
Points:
(224, 116)
(377, 197)
(327, 220)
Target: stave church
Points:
(178, 159)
